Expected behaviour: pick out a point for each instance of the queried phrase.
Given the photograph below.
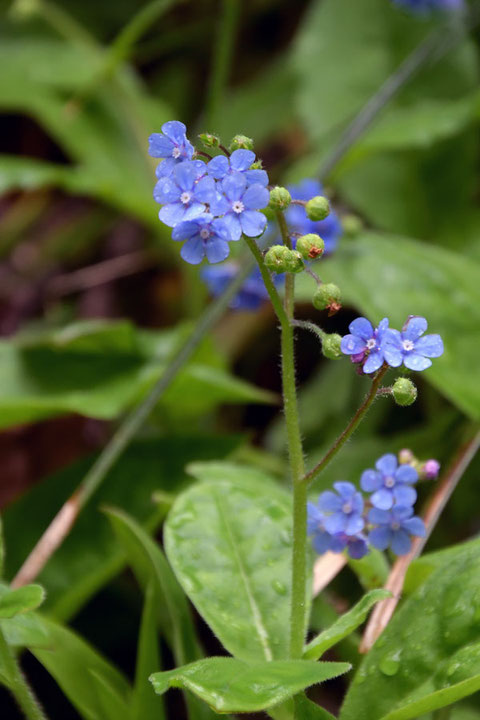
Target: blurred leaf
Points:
(346, 624)
(25, 630)
(144, 703)
(372, 570)
(421, 568)
(89, 556)
(310, 710)
(395, 277)
(150, 566)
(21, 600)
(86, 678)
(100, 369)
(429, 655)
(229, 545)
(230, 685)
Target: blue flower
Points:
(330, 229)
(390, 483)
(239, 203)
(410, 348)
(356, 545)
(423, 7)
(171, 144)
(366, 342)
(324, 541)
(252, 293)
(239, 161)
(184, 194)
(394, 528)
(343, 509)
(205, 236)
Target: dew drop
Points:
(390, 664)
(279, 587)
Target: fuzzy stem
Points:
(17, 684)
(350, 429)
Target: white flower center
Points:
(238, 206)
(204, 234)
(347, 508)
(371, 344)
(389, 482)
(395, 526)
(408, 345)
(185, 197)
(176, 152)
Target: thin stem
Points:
(17, 683)
(350, 429)
(222, 58)
(267, 279)
(307, 325)
(68, 513)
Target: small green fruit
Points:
(404, 392)
(331, 346)
(327, 297)
(310, 246)
(318, 208)
(280, 198)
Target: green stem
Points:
(17, 684)
(267, 279)
(349, 430)
(222, 59)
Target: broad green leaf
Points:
(90, 556)
(21, 600)
(229, 545)
(100, 369)
(372, 570)
(25, 630)
(144, 703)
(429, 654)
(230, 685)
(86, 678)
(237, 473)
(421, 568)
(310, 710)
(346, 624)
(387, 276)
(150, 566)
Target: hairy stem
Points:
(17, 684)
(350, 429)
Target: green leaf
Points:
(144, 703)
(151, 567)
(345, 625)
(230, 685)
(429, 654)
(422, 280)
(90, 556)
(21, 600)
(229, 545)
(310, 710)
(89, 681)
(25, 630)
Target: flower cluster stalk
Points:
(17, 684)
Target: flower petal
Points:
(172, 214)
(406, 474)
(414, 327)
(387, 464)
(193, 251)
(357, 548)
(166, 191)
(361, 327)
(415, 526)
(216, 250)
(352, 345)
(193, 211)
(373, 362)
(404, 495)
(218, 167)
(336, 523)
(159, 146)
(380, 537)
(321, 542)
(253, 222)
(256, 197)
(355, 524)
(382, 499)
(185, 230)
(254, 177)
(379, 517)
(175, 130)
(234, 186)
(241, 159)
(185, 174)
(413, 361)
(329, 501)
(345, 489)
(401, 542)
(205, 191)
(371, 480)
(232, 223)
(430, 345)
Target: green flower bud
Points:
(331, 346)
(241, 142)
(257, 165)
(404, 392)
(318, 208)
(352, 225)
(310, 246)
(327, 297)
(295, 262)
(280, 259)
(280, 198)
(209, 140)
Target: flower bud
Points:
(241, 142)
(280, 198)
(404, 392)
(209, 140)
(406, 457)
(280, 259)
(352, 225)
(257, 165)
(430, 469)
(317, 208)
(327, 297)
(331, 346)
(310, 246)
(294, 262)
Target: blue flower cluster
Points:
(251, 295)
(424, 7)
(330, 229)
(372, 347)
(342, 519)
(208, 204)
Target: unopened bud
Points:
(327, 297)
(430, 469)
(352, 225)
(241, 142)
(310, 246)
(331, 346)
(294, 262)
(280, 198)
(404, 392)
(317, 208)
(257, 165)
(406, 457)
(209, 140)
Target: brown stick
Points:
(326, 568)
(383, 612)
